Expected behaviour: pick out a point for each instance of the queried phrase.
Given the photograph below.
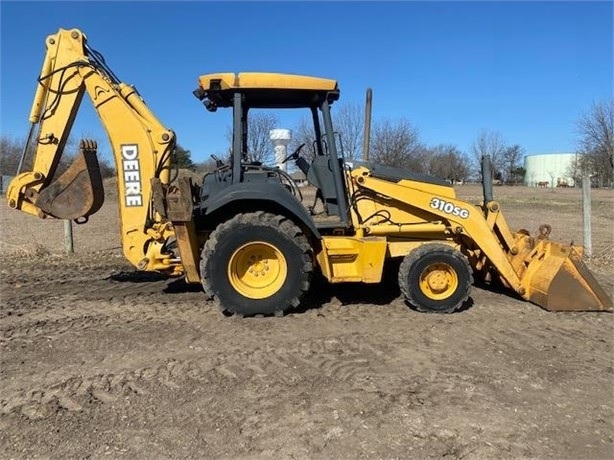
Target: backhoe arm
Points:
(141, 146)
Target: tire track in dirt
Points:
(55, 306)
(81, 312)
(535, 333)
(518, 328)
(342, 359)
(96, 289)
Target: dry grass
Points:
(23, 250)
(603, 258)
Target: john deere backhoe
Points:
(244, 232)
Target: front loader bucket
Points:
(556, 279)
(78, 192)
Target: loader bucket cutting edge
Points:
(77, 193)
(558, 280)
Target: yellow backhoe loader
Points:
(244, 232)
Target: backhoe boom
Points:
(141, 146)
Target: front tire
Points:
(435, 278)
(256, 263)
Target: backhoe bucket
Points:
(78, 192)
(557, 279)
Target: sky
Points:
(526, 69)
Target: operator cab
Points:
(245, 91)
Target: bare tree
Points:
(447, 162)
(209, 164)
(349, 124)
(11, 150)
(10, 153)
(510, 162)
(259, 125)
(596, 141)
(488, 143)
(575, 170)
(396, 143)
(259, 147)
(303, 133)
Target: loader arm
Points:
(544, 272)
(141, 146)
(471, 223)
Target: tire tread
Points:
(410, 259)
(261, 219)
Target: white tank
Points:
(280, 139)
(549, 169)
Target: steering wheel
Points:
(294, 154)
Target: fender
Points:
(261, 191)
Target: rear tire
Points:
(256, 264)
(435, 278)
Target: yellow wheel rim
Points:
(438, 281)
(257, 270)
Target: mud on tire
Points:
(435, 278)
(256, 263)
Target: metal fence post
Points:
(586, 215)
(68, 241)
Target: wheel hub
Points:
(257, 270)
(438, 281)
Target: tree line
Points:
(393, 142)
(397, 143)
(11, 151)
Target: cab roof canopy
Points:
(267, 90)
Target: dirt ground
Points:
(100, 361)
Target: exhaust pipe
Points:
(487, 179)
(366, 140)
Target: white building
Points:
(549, 169)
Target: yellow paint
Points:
(344, 259)
(263, 80)
(257, 270)
(406, 203)
(438, 281)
